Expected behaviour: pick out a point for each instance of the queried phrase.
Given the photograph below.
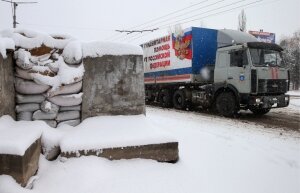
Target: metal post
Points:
(14, 16)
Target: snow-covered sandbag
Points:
(30, 107)
(24, 116)
(29, 87)
(69, 122)
(41, 60)
(43, 70)
(67, 89)
(46, 80)
(51, 123)
(23, 59)
(23, 74)
(66, 100)
(53, 66)
(71, 108)
(29, 98)
(72, 53)
(40, 115)
(49, 107)
(68, 115)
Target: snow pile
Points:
(98, 49)
(13, 139)
(5, 43)
(31, 39)
(216, 155)
(113, 131)
(49, 71)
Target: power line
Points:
(14, 4)
(211, 10)
(158, 18)
(134, 31)
(218, 13)
(206, 6)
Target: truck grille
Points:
(272, 86)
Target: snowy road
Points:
(287, 118)
(216, 155)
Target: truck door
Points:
(238, 72)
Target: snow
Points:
(73, 53)
(33, 39)
(113, 131)
(66, 75)
(13, 139)
(294, 92)
(216, 155)
(98, 49)
(5, 44)
(294, 100)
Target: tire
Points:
(226, 104)
(149, 96)
(259, 111)
(179, 100)
(164, 99)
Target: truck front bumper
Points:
(270, 101)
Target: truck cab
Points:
(253, 75)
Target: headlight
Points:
(286, 98)
(257, 100)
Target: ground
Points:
(216, 155)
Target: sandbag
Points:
(30, 107)
(29, 87)
(43, 70)
(68, 115)
(40, 115)
(66, 100)
(49, 107)
(29, 98)
(23, 74)
(51, 123)
(73, 123)
(24, 116)
(23, 59)
(67, 89)
(71, 108)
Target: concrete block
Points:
(21, 168)
(7, 90)
(113, 85)
(164, 152)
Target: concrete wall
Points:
(7, 90)
(113, 85)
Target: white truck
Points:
(225, 70)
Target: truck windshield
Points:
(265, 58)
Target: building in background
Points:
(264, 36)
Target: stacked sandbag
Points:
(48, 87)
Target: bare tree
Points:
(291, 54)
(242, 21)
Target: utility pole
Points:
(15, 4)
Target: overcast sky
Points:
(97, 20)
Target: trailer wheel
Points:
(259, 111)
(179, 99)
(149, 96)
(164, 98)
(226, 104)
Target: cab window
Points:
(238, 58)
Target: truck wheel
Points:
(179, 99)
(149, 96)
(259, 111)
(226, 104)
(164, 98)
